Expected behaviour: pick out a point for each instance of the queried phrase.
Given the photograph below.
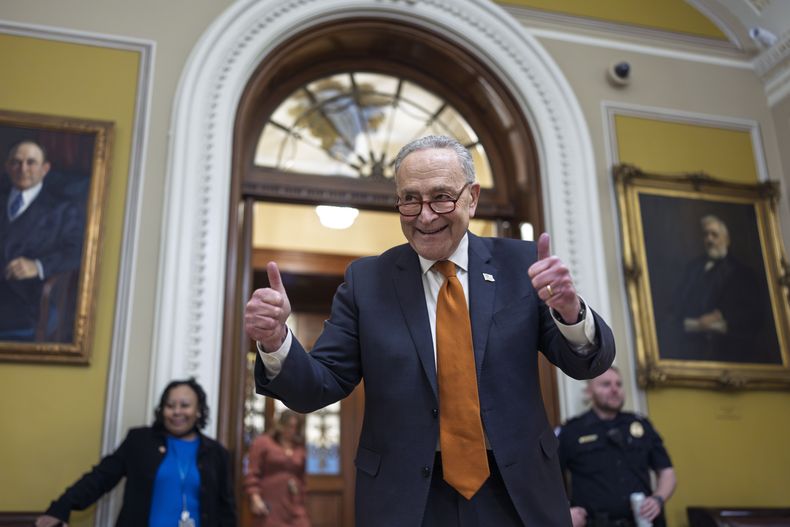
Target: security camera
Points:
(763, 37)
(619, 73)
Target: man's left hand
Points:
(553, 282)
(21, 269)
(650, 508)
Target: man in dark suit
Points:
(40, 236)
(384, 328)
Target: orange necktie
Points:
(464, 459)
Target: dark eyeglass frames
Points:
(439, 206)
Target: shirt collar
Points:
(28, 195)
(460, 257)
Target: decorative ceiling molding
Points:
(190, 306)
(773, 67)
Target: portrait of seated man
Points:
(41, 236)
(721, 307)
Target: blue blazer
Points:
(379, 330)
(51, 230)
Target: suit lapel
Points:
(481, 295)
(408, 287)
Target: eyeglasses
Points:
(439, 206)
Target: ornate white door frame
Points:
(192, 268)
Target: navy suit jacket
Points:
(379, 330)
(50, 230)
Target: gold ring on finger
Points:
(548, 288)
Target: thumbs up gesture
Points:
(266, 312)
(553, 282)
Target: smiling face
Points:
(180, 411)
(433, 174)
(26, 166)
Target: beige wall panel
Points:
(174, 27)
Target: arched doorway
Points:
(194, 324)
(319, 123)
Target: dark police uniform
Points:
(607, 461)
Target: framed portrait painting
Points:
(706, 277)
(52, 194)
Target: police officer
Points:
(608, 454)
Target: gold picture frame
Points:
(49, 313)
(706, 278)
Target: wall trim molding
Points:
(74, 36)
(189, 305)
(736, 62)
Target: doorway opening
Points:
(318, 125)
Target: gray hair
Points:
(440, 141)
(710, 218)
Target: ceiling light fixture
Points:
(336, 217)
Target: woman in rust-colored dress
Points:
(275, 479)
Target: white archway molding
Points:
(191, 291)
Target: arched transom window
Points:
(353, 124)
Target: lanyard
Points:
(183, 472)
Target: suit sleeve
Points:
(560, 353)
(331, 371)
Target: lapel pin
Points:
(488, 278)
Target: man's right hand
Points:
(578, 516)
(21, 268)
(267, 311)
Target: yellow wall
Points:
(53, 413)
(669, 15)
(667, 147)
(728, 448)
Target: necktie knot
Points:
(446, 267)
(16, 204)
